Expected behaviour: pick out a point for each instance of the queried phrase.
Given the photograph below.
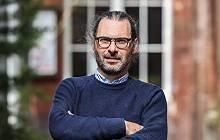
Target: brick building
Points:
(195, 67)
(179, 51)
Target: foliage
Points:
(25, 31)
(26, 39)
(213, 117)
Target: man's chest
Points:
(117, 104)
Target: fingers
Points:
(132, 127)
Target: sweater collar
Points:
(103, 79)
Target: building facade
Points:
(179, 51)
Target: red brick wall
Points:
(195, 67)
(183, 69)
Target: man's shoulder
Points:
(81, 80)
(142, 84)
(149, 89)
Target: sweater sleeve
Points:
(154, 119)
(67, 126)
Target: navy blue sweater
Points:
(86, 109)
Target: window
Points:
(154, 68)
(134, 69)
(149, 65)
(79, 24)
(154, 25)
(79, 63)
(99, 10)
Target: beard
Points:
(117, 69)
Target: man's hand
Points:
(132, 127)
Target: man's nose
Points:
(112, 48)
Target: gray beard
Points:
(112, 71)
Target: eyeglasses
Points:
(105, 42)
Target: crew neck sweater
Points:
(103, 79)
(86, 109)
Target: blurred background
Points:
(44, 41)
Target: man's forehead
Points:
(114, 19)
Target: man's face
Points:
(113, 60)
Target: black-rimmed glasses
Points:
(105, 42)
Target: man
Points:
(109, 104)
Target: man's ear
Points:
(135, 46)
(93, 46)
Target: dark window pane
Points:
(154, 68)
(134, 68)
(100, 10)
(79, 22)
(154, 24)
(134, 13)
(2, 64)
(79, 63)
